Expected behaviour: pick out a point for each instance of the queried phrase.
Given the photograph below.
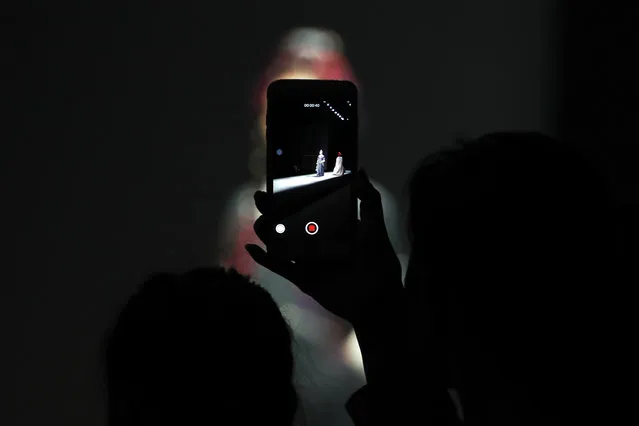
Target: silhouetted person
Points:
(511, 267)
(205, 347)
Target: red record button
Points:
(311, 228)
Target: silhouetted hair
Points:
(510, 228)
(207, 346)
(502, 178)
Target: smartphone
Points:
(312, 157)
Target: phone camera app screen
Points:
(313, 145)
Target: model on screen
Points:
(321, 163)
(339, 165)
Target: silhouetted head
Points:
(507, 230)
(206, 347)
(339, 154)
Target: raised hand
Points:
(365, 278)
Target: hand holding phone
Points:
(353, 284)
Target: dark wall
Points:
(600, 91)
(133, 132)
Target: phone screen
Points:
(312, 157)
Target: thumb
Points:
(278, 266)
(289, 271)
(257, 253)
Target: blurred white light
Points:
(280, 228)
(352, 354)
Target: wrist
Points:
(381, 313)
(379, 334)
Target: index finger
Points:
(262, 202)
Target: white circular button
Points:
(280, 228)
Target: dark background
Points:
(132, 122)
(301, 132)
